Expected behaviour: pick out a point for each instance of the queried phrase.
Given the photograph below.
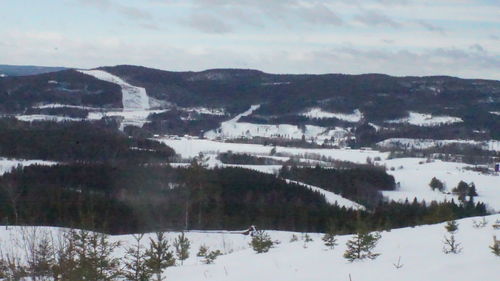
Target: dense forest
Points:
(76, 141)
(132, 198)
(361, 184)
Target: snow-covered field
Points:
(233, 129)
(191, 147)
(414, 176)
(356, 116)
(419, 250)
(426, 120)
(491, 145)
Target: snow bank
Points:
(44, 117)
(354, 117)
(426, 120)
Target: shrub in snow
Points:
(479, 224)
(261, 242)
(495, 247)
(182, 245)
(207, 255)
(329, 240)
(294, 238)
(451, 246)
(361, 246)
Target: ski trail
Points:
(133, 98)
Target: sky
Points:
(397, 37)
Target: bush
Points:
(261, 242)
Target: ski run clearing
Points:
(419, 250)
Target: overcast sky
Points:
(397, 37)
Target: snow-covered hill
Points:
(419, 250)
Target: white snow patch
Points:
(426, 120)
(6, 165)
(43, 117)
(356, 116)
(495, 112)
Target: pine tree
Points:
(361, 246)
(495, 247)
(330, 240)
(207, 255)
(261, 242)
(451, 246)
(159, 255)
(182, 245)
(451, 226)
(135, 264)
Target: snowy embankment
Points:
(6, 165)
(415, 174)
(318, 113)
(426, 120)
(233, 129)
(419, 250)
(491, 145)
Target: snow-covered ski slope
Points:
(133, 98)
(419, 250)
(318, 113)
(427, 120)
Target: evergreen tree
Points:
(495, 247)
(436, 184)
(330, 240)
(159, 256)
(207, 255)
(451, 226)
(451, 246)
(261, 242)
(182, 245)
(135, 264)
(361, 246)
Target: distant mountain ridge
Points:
(369, 107)
(24, 70)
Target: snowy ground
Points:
(420, 250)
(414, 176)
(233, 129)
(191, 147)
(426, 120)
